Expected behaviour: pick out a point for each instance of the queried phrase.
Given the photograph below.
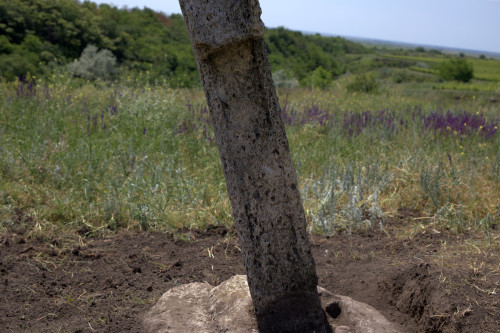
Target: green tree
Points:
(21, 59)
(5, 45)
(363, 83)
(319, 78)
(13, 65)
(456, 69)
(302, 54)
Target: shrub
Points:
(400, 77)
(94, 64)
(319, 78)
(363, 83)
(456, 69)
(283, 79)
(5, 45)
(15, 64)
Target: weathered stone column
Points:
(227, 38)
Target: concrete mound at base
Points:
(200, 307)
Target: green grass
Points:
(94, 157)
(484, 69)
(71, 160)
(471, 86)
(452, 179)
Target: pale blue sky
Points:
(468, 24)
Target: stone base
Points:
(200, 308)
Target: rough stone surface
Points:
(182, 309)
(228, 298)
(213, 27)
(199, 307)
(353, 316)
(261, 182)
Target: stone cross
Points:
(227, 39)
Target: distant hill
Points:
(41, 36)
(371, 42)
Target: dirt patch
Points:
(416, 291)
(107, 284)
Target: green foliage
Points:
(64, 23)
(319, 78)
(41, 37)
(45, 33)
(5, 45)
(94, 64)
(12, 65)
(41, 33)
(302, 54)
(400, 77)
(456, 69)
(363, 83)
(21, 59)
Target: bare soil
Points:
(429, 282)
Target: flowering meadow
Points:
(95, 157)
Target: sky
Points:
(465, 24)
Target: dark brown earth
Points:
(429, 282)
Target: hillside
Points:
(40, 37)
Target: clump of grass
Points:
(105, 158)
(345, 198)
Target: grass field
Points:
(484, 69)
(74, 154)
(111, 194)
(470, 86)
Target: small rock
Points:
(342, 329)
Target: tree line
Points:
(42, 36)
